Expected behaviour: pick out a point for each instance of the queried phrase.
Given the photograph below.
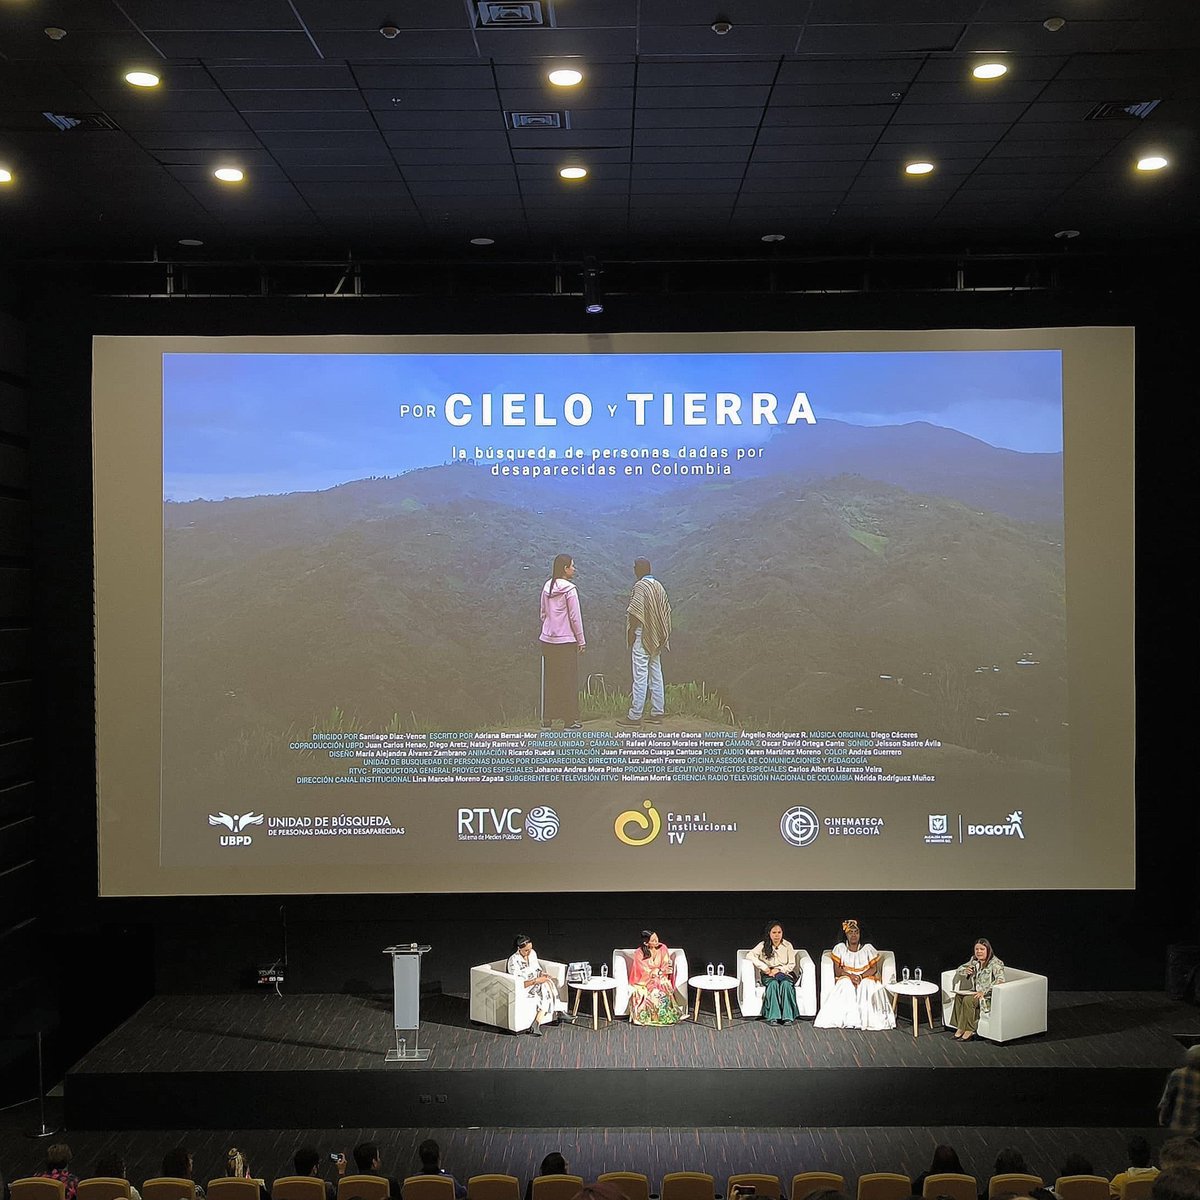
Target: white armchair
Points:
(501, 999)
(751, 991)
(1018, 1007)
(887, 970)
(620, 969)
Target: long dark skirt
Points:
(779, 1003)
(560, 681)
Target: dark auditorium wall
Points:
(1082, 940)
(23, 1006)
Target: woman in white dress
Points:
(523, 963)
(858, 999)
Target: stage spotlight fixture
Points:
(1153, 162)
(144, 79)
(593, 298)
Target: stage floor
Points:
(1106, 1052)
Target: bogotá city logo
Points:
(799, 826)
(235, 825)
(1012, 828)
(649, 822)
(939, 830)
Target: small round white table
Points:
(716, 984)
(916, 989)
(599, 986)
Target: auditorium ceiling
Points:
(410, 127)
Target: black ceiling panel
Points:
(857, 69)
(233, 45)
(202, 14)
(29, 43)
(1077, 37)
(709, 72)
(452, 77)
(309, 119)
(159, 141)
(739, 12)
(509, 45)
(750, 40)
(370, 15)
(310, 76)
(879, 39)
(804, 114)
(419, 99)
(417, 47)
(703, 118)
(139, 121)
(296, 101)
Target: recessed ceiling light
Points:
(190, 242)
(55, 33)
(229, 174)
(1155, 162)
(142, 78)
(573, 172)
(565, 77)
(483, 241)
(773, 237)
(5, 175)
(991, 70)
(1054, 24)
(1067, 234)
(918, 168)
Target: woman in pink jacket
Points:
(562, 643)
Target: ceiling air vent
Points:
(1137, 111)
(492, 14)
(83, 121)
(538, 120)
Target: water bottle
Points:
(720, 968)
(904, 974)
(710, 969)
(917, 974)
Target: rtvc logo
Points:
(235, 825)
(506, 824)
(799, 826)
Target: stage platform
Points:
(260, 1061)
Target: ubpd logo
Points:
(649, 822)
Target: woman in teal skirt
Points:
(775, 960)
